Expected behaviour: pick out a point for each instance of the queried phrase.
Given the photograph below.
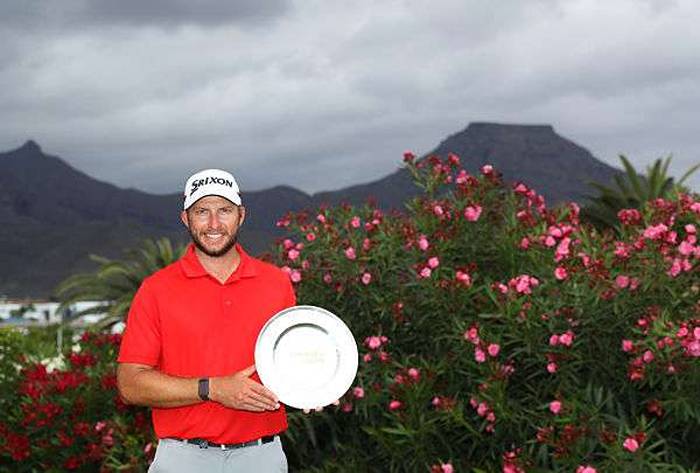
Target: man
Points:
(188, 346)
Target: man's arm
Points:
(146, 386)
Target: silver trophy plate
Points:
(307, 356)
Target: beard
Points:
(228, 244)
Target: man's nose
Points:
(214, 221)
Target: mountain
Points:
(53, 215)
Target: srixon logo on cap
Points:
(210, 180)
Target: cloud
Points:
(324, 94)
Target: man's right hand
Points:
(239, 391)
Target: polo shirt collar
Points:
(193, 268)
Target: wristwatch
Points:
(203, 389)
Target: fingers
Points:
(263, 391)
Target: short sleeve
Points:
(141, 342)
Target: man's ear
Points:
(242, 211)
(185, 219)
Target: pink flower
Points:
(433, 262)
(350, 253)
(648, 356)
(472, 212)
(622, 281)
(99, 426)
(552, 367)
(463, 278)
(395, 405)
(524, 243)
(423, 243)
(366, 278)
(437, 210)
(358, 392)
(321, 218)
(493, 349)
(367, 357)
(295, 276)
(550, 241)
(566, 338)
(631, 444)
(560, 273)
(472, 334)
(414, 374)
(425, 272)
(447, 468)
(355, 222)
(373, 342)
(627, 346)
(311, 236)
(486, 169)
(287, 243)
(555, 407)
(482, 409)
(479, 355)
(293, 254)
(554, 340)
(327, 278)
(655, 232)
(586, 469)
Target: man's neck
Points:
(220, 267)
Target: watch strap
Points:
(203, 389)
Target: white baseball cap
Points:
(211, 182)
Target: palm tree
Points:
(115, 282)
(631, 191)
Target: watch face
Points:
(203, 389)
(307, 356)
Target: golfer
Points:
(188, 346)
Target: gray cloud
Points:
(39, 14)
(330, 94)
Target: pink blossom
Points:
(550, 241)
(321, 218)
(358, 392)
(690, 228)
(493, 349)
(686, 248)
(293, 254)
(295, 276)
(631, 444)
(350, 253)
(425, 272)
(479, 355)
(311, 236)
(472, 212)
(346, 407)
(566, 338)
(367, 357)
(438, 210)
(524, 243)
(648, 356)
(327, 278)
(395, 405)
(373, 342)
(366, 278)
(305, 265)
(486, 169)
(675, 268)
(287, 243)
(472, 335)
(586, 469)
(555, 407)
(655, 232)
(463, 278)
(355, 222)
(694, 348)
(414, 374)
(423, 243)
(554, 340)
(552, 367)
(447, 468)
(560, 273)
(482, 409)
(622, 281)
(627, 346)
(433, 262)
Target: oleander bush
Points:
(497, 334)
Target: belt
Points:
(201, 443)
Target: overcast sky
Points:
(322, 94)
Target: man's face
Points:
(213, 223)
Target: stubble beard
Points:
(230, 243)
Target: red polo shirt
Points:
(186, 323)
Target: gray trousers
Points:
(174, 456)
